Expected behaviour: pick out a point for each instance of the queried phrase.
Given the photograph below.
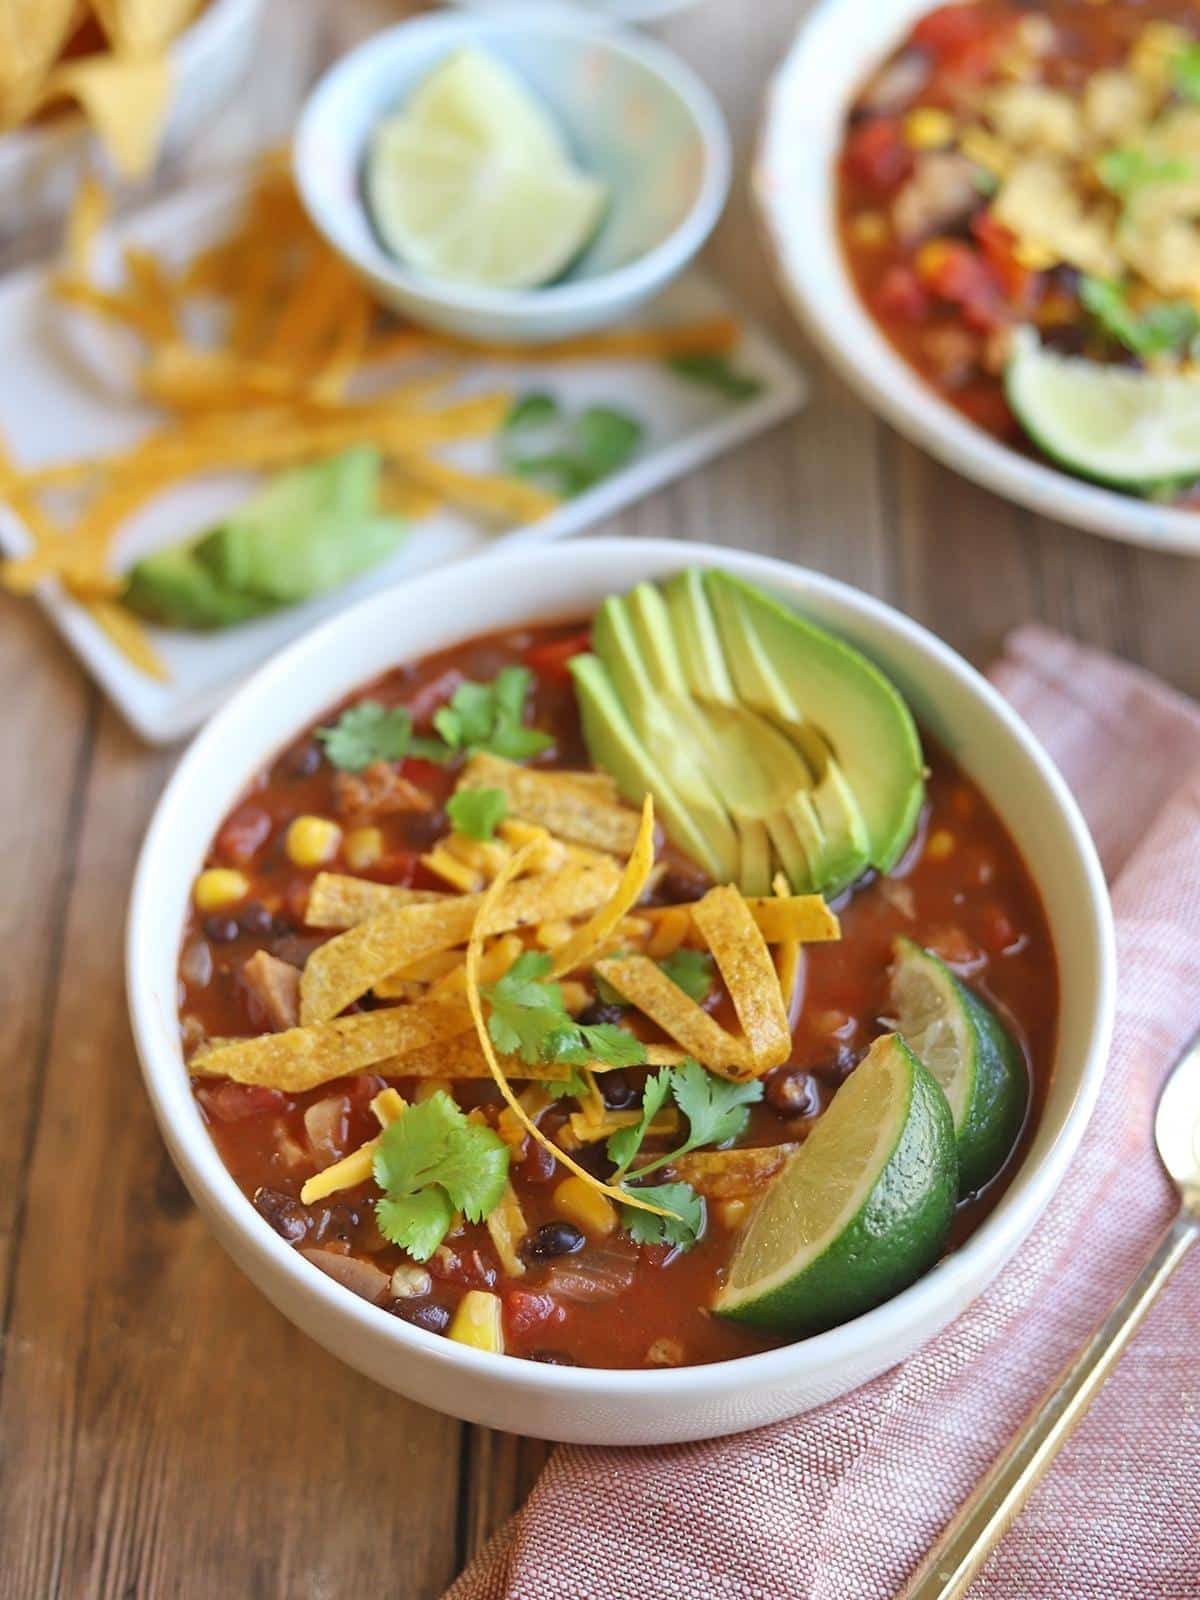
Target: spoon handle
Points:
(984, 1518)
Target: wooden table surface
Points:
(163, 1431)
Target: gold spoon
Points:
(982, 1520)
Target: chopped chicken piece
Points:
(379, 791)
(941, 193)
(275, 987)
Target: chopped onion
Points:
(591, 1276)
(360, 1277)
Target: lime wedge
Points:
(971, 1054)
(1133, 430)
(860, 1210)
(472, 181)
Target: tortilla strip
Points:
(359, 1165)
(336, 900)
(804, 917)
(646, 986)
(464, 1058)
(730, 1174)
(581, 946)
(343, 969)
(492, 902)
(744, 962)
(789, 956)
(302, 1058)
(554, 800)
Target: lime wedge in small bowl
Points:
(1133, 430)
(471, 180)
(966, 1047)
(860, 1210)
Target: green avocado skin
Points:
(897, 1236)
(307, 531)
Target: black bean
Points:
(839, 1067)
(554, 1239)
(425, 1314)
(304, 760)
(284, 1212)
(601, 1012)
(255, 919)
(553, 1358)
(221, 930)
(619, 1094)
(793, 1093)
(682, 882)
(423, 828)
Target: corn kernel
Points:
(362, 848)
(586, 1207)
(446, 866)
(940, 846)
(928, 128)
(218, 887)
(410, 1282)
(986, 151)
(870, 228)
(1034, 257)
(312, 841)
(930, 259)
(477, 1322)
(732, 1213)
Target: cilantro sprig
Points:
(490, 717)
(1160, 330)
(691, 970)
(716, 1110)
(567, 453)
(1129, 168)
(714, 370)
(529, 1019)
(371, 732)
(1185, 70)
(477, 812)
(432, 1162)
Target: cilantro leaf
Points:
(716, 1109)
(681, 1230)
(691, 969)
(573, 1086)
(601, 1041)
(1185, 70)
(569, 454)
(714, 370)
(1162, 329)
(365, 733)
(528, 1018)
(477, 812)
(431, 1162)
(623, 1145)
(488, 716)
(1126, 170)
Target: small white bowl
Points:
(633, 114)
(953, 703)
(41, 164)
(795, 182)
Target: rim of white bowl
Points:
(809, 267)
(196, 1155)
(656, 266)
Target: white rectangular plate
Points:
(66, 395)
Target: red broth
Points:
(962, 890)
(948, 315)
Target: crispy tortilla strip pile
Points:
(264, 352)
(407, 945)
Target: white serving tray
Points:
(66, 394)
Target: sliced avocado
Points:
(805, 676)
(174, 587)
(615, 746)
(697, 640)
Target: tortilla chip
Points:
(336, 900)
(744, 962)
(507, 499)
(125, 98)
(804, 917)
(582, 945)
(730, 1174)
(493, 900)
(143, 26)
(130, 637)
(553, 799)
(644, 984)
(302, 1058)
(343, 969)
(359, 1165)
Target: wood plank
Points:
(166, 1431)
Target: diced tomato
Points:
(426, 775)
(464, 1266)
(987, 407)
(967, 280)
(398, 867)
(878, 156)
(234, 1102)
(526, 1309)
(242, 834)
(900, 295)
(950, 28)
(999, 246)
(550, 660)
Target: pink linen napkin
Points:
(840, 1504)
